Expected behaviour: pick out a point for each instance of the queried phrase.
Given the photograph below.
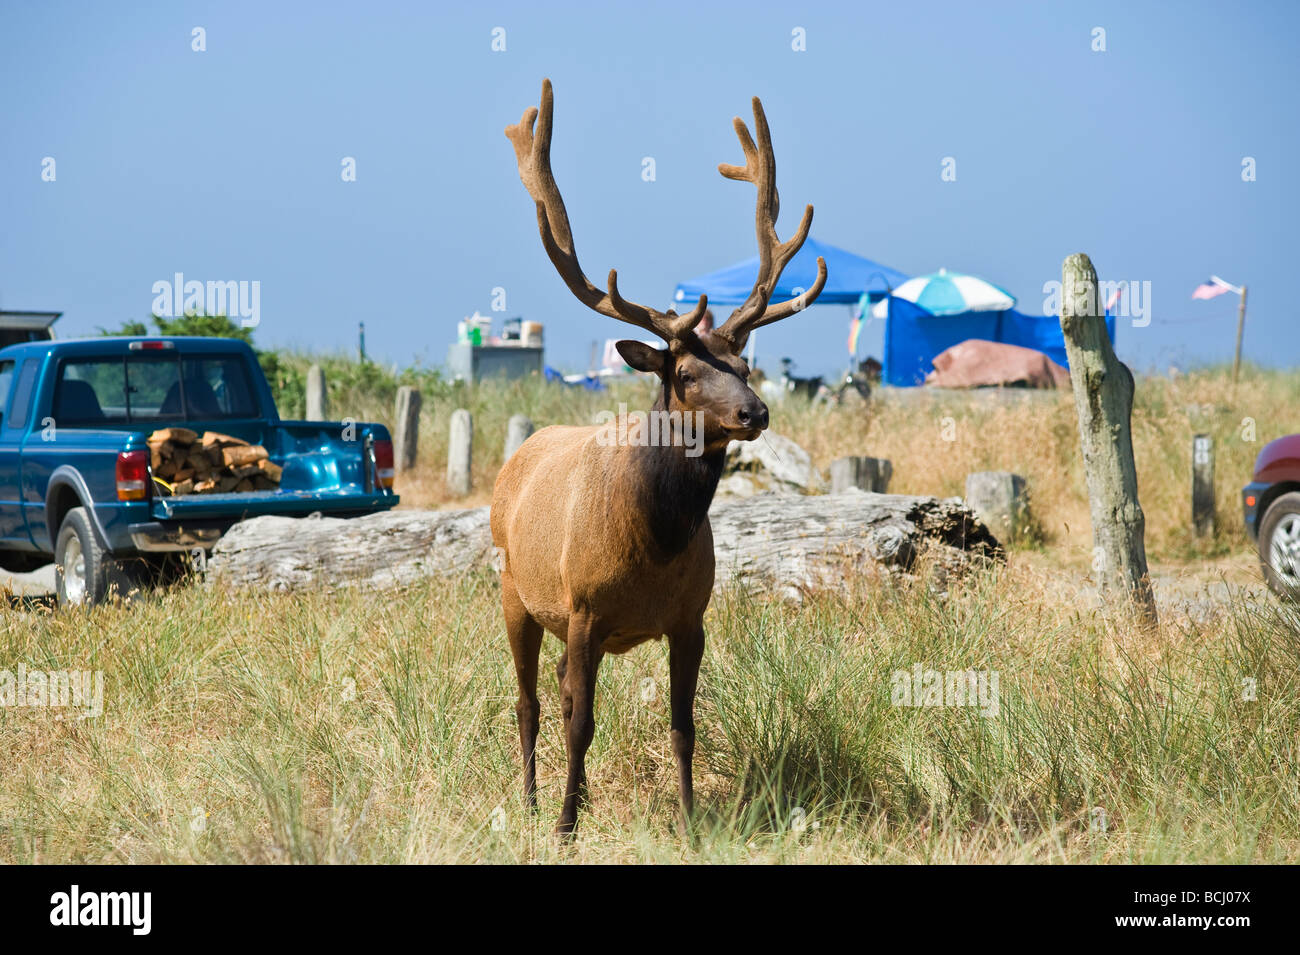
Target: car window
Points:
(147, 388)
(153, 387)
(218, 386)
(6, 379)
(22, 404)
(90, 391)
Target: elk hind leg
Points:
(525, 636)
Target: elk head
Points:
(701, 373)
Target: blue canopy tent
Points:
(848, 276)
(914, 336)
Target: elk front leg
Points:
(525, 636)
(580, 661)
(685, 650)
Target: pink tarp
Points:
(975, 363)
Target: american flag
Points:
(1215, 286)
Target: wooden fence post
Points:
(518, 430)
(406, 428)
(1103, 400)
(1203, 485)
(1001, 501)
(869, 474)
(460, 452)
(318, 400)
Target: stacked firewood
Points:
(186, 463)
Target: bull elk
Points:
(605, 543)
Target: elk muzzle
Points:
(751, 420)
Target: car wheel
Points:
(1279, 545)
(84, 574)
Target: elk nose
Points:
(754, 416)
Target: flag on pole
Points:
(855, 328)
(1215, 286)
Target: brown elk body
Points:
(606, 541)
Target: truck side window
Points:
(6, 379)
(22, 404)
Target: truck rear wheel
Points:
(84, 573)
(1279, 545)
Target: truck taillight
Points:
(384, 463)
(132, 475)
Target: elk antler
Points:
(533, 154)
(773, 254)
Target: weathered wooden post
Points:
(1203, 485)
(1103, 400)
(406, 428)
(1000, 500)
(869, 474)
(518, 430)
(318, 400)
(460, 452)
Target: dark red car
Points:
(1272, 512)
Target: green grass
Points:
(380, 728)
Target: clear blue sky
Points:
(225, 164)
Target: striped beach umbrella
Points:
(949, 293)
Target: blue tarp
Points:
(847, 277)
(913, 337)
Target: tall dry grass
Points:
(936, 440)
(380, 728)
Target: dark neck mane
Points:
(674, 492)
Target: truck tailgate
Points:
(253, 503)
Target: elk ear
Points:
(641, 356)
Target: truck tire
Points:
(84, 573)
(1279, 545)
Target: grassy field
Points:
(348, 728)
(355, 727)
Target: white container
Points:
(530, 335)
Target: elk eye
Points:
(686, 378)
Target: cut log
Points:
(272, 471)
(215, 439)
(771, 543)
(240, 455)
(176, 435)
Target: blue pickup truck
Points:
(76, 485)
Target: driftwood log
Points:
(779, 543)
